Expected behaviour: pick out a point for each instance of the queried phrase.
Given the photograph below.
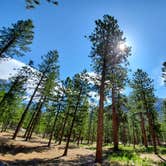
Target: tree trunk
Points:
(151, 126)
(134, 139)
(72, 124)
(27, 108)
(35, 120)
(90, 126)
(158, 140)
(34, 124)
(32, 118)
(63, 127)
(100, 119)
(53, 127)
(29, 124)
(114, 122)
(6, 47)
(124, 136)
(143, 130)
(78, 141)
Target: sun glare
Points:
(122, 46)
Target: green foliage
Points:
(127, 156)
(106, 39)
(14, 40)
(50, 63)
(33, 3)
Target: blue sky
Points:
(64, 27)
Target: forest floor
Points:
(35, 152)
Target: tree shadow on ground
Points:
(33, 140)
(164, 160)
(81, 160)
(14, 149)
(70, 147)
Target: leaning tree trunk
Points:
(143, 130)
(63, 127)
(79, 137)
(53, 127)
(100, 119)
(29, 125)
(27, 108)
(34, 124)
(6, 47)
(72, 124)
(32, 118)
(35, 120)
(114, 122)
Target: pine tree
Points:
(14, 40)
(16, 89)
(32, 3)
(79, 92)
(118, 79)
(106, 39)
(67, 89)
(49, 64)
(144, 89)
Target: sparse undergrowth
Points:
(129, 156)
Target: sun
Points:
(122, 46)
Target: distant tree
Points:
(32, 3)
(3, 86)
(164, 110)
(164, 72)
(79, 93)
(45, 92)
(105, 54)
(16, 89)
(14, 40)
(118, 79)
(137, 109)
(67, 89)
(144, 89)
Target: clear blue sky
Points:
(64, 27)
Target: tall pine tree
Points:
(14, 40)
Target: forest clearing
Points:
(36, 152)
(82, 83)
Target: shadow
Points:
(80, 160)
(70, 147)
(161, 158)
(14, 149)
(36, 141)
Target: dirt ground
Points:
(36, 153)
